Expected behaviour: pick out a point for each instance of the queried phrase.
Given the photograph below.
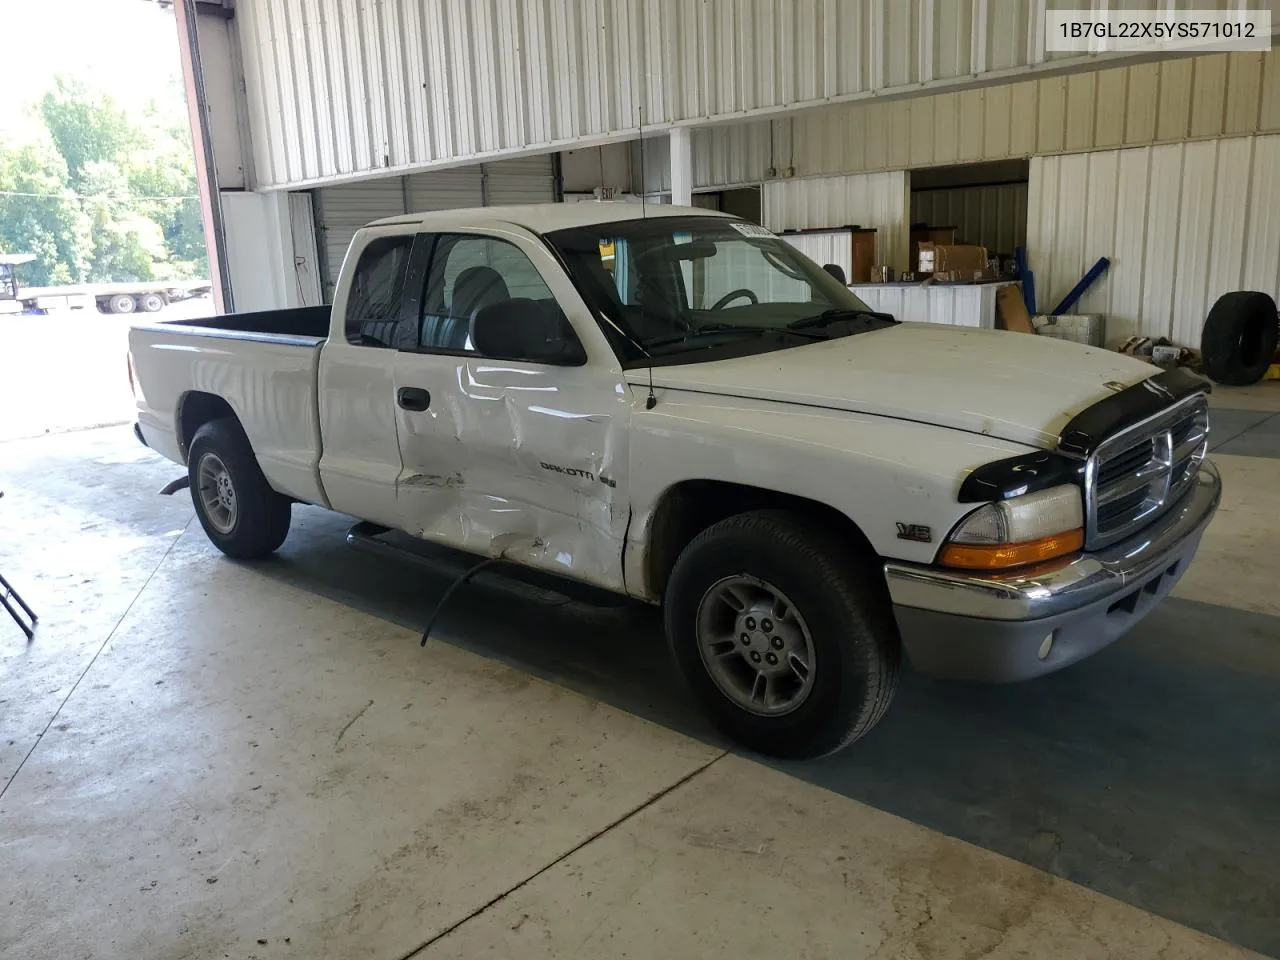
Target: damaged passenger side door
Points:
(512, 443)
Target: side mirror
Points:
(836, 271)
(522, 329)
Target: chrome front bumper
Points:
(998, 626)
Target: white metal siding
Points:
(957, 305)
(338, 88)
(1200, 97)
(1182, 223)
(994, 217)
(729, 155)
(823, 248)
(876, 200)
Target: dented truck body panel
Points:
(517, 461)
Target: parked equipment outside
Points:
(675, 405)
(135, 297)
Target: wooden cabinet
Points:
(864, 254)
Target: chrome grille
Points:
(1142, 471)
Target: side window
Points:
(469, 273)
(373, 304)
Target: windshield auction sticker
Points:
(1135, 31)
(751, 230)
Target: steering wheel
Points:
(733, 295)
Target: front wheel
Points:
(784, 632)
(239, 511)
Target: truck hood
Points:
(1014, 386)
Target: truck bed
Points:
(310, 322)
(262, 365)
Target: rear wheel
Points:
(784, 632)
(152, 303)
(239, 511)
(122, 303)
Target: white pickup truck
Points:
(677, 406)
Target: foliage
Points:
(85, 129)
(101, 196)
(39, 214)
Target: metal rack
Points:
(12, 601)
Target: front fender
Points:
(880, 472)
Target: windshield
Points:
(669, 286)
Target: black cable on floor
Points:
(453, 587)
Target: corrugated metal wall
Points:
(1182, 223)
(342, 87)
(1168, 101)
(876, 200)
(825, 247)
(993, 216)
(344, 208)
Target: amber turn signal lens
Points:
(1005, 556)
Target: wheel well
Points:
(195, 409)
(692, 506)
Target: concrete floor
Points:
(87, 349)
(208, 759)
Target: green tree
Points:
(40, 214)
(167, 172)
(85, 128)
(106, 197)
(127, 244)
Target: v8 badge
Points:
(914, 531)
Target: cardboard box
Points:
(967, 261)
(920, 233)
(1013, 310)
(882, 274)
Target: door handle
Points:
(413, 398)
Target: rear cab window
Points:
(377, 292)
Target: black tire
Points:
(840, 594)
(261, 516)
(122, 303)
(151, 303)
(1239, 338)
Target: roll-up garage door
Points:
(446, 189)
(341, 210)
(526, 180)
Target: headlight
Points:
(1018, 531)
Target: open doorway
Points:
(742, 202)
(972, 203)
